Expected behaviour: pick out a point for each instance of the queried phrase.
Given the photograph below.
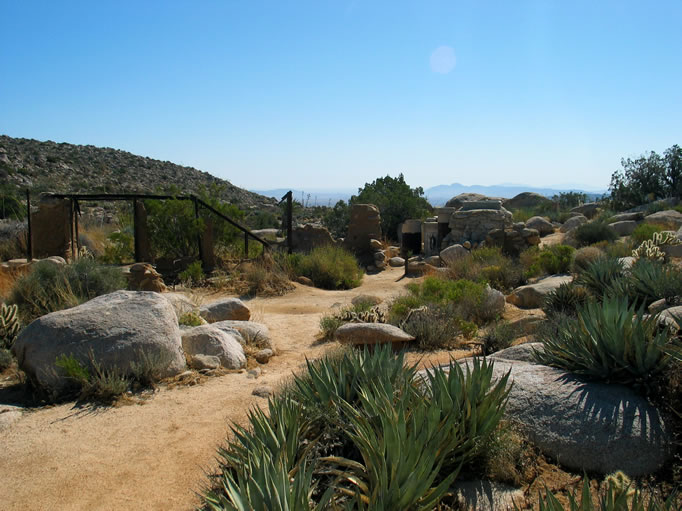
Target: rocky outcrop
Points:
(309, 236)
(624, 227)
(589, 209)
(474, 225)
(225, 309)
(458, 200)
(515, 239)
(526, 200)
(117, 329)
(371, 333)
(451, 254)
(540, 224)
(670, 217)
(573, 222)
(624, 217)
(365, 225)
(532, 296)
(251, 332)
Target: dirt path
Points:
(154, 456)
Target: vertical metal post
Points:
(29, 248)
(136, 239)
(246, 245)
(196, 216)
(290, 215)
(76, 208)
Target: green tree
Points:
(396, 201)
(336, 219)
(647, 178)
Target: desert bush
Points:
(566, 300)
(190, 319)
(437, 326)
(556, 259)
(601, 275)
(498, 337)
(361, 426)
(48, 287)
(119, 247)
(507, 457)
(529, 260)
(644, 231)
(329, 267)
(329, 325)
(193, 275)
(610, 341)
(619, 495)
(593, 232)
(487, 265)
(266, 277)
(584, 257)
(6, 359)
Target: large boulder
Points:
(493, 303)
(309, 236)
(532, 296)
(449, 255)
(364, 226)
(624, 227)
(117, 329)
(458, 200)
(593, 427)
(250, 332)
(225, 309)
(540, 224)
(589, 209)
(573, 222)
(371, 333)
(623, 217)
(670, 217)
(526, 200)
(208, 340)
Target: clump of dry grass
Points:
(262, 277)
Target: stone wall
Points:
(474, 225)
(365, 225)
(307, 237)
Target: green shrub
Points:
(48, 287)
(565, 300)
(584, 257)
(487, 265)
(329, 267)
(499, 337)
(6, 359)
(190, 319)
(644, 231)
(593, 232)
(329, 325)
(650, 280)
(611, 342)
(193, 275)
(556, 259)
(119, 247)
(437, 326)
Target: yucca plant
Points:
(615, 498)
(609, 341)
(566, 299)
(600, 276)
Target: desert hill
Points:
(61, 167)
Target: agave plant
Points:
(609, 341)
(600, 276)
(566, 299)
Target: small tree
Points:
(395, 199)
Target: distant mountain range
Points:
(436, 195)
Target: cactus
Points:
(9, 325)
(651, 249)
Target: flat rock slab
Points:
(226, 309)
(593, 427)
(208, 340)
(117, 328)
(532, 296)
(371, 333)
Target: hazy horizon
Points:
(271, 95)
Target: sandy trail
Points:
(155, 456)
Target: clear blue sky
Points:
(334, 94)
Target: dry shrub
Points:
(584, 257)
(264, 277)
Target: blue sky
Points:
(321, 94)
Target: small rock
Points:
(371, 333)
(264, 356)
(376, 244)
(467, 245)
(253, 373)
(305, 281)
(433, 261)
(532, 296)
(264, 391)
(366, 299)
(8, 415)
(396, 262)
(520, 352)
(208, 340)
(199, 362)
(228, 308)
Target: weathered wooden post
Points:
(29, 245)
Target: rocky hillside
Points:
(49, 166)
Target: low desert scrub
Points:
(556, 259)
(498, 337)
(645, 231)
(488, 265)
(329, 267)
(193, 275)
(191, 318)
(48, 287)
(593, 232)
(617, 494)
(610, 341)
(584, 256)
(360, 431)
(13, 239)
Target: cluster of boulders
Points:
(121, 330)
